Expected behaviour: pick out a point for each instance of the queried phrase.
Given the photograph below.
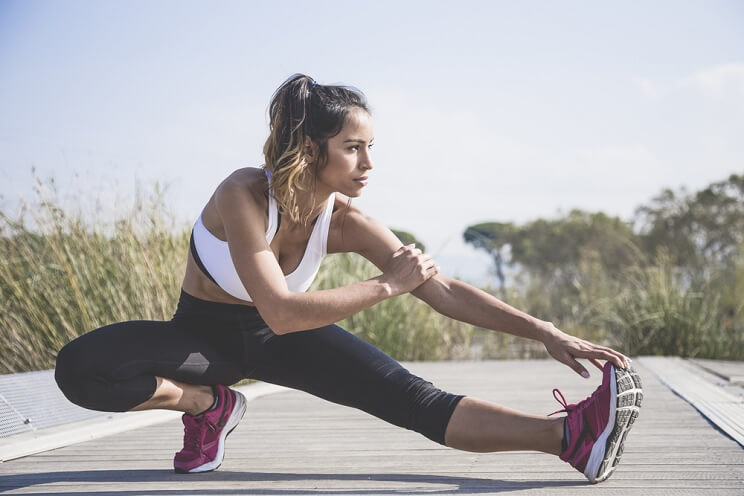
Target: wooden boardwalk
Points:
(296, 444)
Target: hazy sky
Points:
(483, 111)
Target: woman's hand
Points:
(408, 269)
(566, 349)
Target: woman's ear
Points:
(310, 150)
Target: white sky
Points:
(483, 111)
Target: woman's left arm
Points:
(461, 301)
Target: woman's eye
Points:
(356, 147)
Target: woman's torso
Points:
(288, 244)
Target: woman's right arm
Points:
(285, 311)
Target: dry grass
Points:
(65, 276)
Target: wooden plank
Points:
(296, 443)
(725, 410)
(731, 371)
(41, 440)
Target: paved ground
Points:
(294, 443)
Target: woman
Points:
(244, 311)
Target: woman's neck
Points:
(306, 199)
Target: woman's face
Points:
(349, 159)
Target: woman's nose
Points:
(366, 163)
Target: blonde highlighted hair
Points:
(302, 108)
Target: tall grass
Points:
(651, 308)
(62, 276)
(662, 310)
(67, 276)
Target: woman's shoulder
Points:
(246, 179)
(244, 184)
(345, 220)
(342, 209)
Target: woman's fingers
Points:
(411, 248)
(600, 352)
(596, 363)
(624, 359)
(578, 368)
(567, 349)
(425, 260)
(621, 360)
(430, 266)
(408, 249)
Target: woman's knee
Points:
(334, 364)
(72, 372)
(429, 408)
(85, 379)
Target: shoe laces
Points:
(580, 410)
(576, 406)
(562, 401)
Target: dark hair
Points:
(299, 110)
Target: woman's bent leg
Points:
(171, 394)
(333, 364)
(116, 367)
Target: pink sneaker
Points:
(598, 425)
(204, 434)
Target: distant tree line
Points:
(681, 245)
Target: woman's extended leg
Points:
(595, 428)
(480, 426)
(333, 364)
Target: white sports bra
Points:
(212, 255)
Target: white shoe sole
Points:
(627, 395)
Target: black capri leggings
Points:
(113, 368)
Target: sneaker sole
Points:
(232, 422)
(627, 406)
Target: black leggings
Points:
(113, 368)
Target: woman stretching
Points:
(244, 312)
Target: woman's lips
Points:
(362, 180)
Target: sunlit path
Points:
(294, 443)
